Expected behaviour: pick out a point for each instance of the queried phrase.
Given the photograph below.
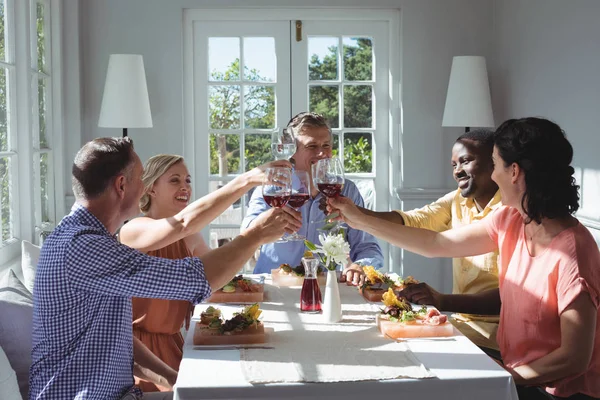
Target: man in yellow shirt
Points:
(476, 197)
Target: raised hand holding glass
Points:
(277, 188)
(328, 177)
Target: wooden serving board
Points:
(238, 297)
(399, 330)
(373, 295)
(208, 337)
(283, 280)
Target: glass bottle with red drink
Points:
(310, 296)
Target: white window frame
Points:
(20, 27)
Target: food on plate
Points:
(399, 320)
(286, 275)
(239, 290)
(377, 283)
(209, 314)
(243, 328)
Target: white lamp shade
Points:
(468, 101)
(125, 102)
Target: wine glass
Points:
(283, 144)
(300, 195)
(328, 177)
(277, 188)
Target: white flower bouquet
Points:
(332, 251)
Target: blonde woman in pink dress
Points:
(549, 263)
(170, 228)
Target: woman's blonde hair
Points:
(155, 168)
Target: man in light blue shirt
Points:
(314, 142)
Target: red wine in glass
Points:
(297, 200)
(310, 297)
(330, 189)
(276, 200)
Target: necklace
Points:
(535, 233)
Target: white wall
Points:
(547, 63)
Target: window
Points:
(8, 145)
(27, 133)
(340, 85)
(41, 121)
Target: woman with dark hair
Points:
(549, 263)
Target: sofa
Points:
(16, 309)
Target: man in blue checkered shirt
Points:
(82, 335)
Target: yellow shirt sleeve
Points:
(436, 216)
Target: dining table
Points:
(304, 357)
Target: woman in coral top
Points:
(549, 263)
(170, 228)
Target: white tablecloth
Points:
(462, 370)
(308, 350)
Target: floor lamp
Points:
(468, 101)
(125, 102)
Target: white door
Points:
(241, 94)
(250, 77)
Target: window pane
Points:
(5, 199)
(224, 154)
(322, 58)
(257, 150)
(358, 107)
(2, 30)
(260, 63)
(3, 110)
(224, 107)
(43, 112)
(224, 59)
(358, 59)
(259, 107)
(335, 146)
(358, 152)
(44, 184)
(41, 37)
(324, 100)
